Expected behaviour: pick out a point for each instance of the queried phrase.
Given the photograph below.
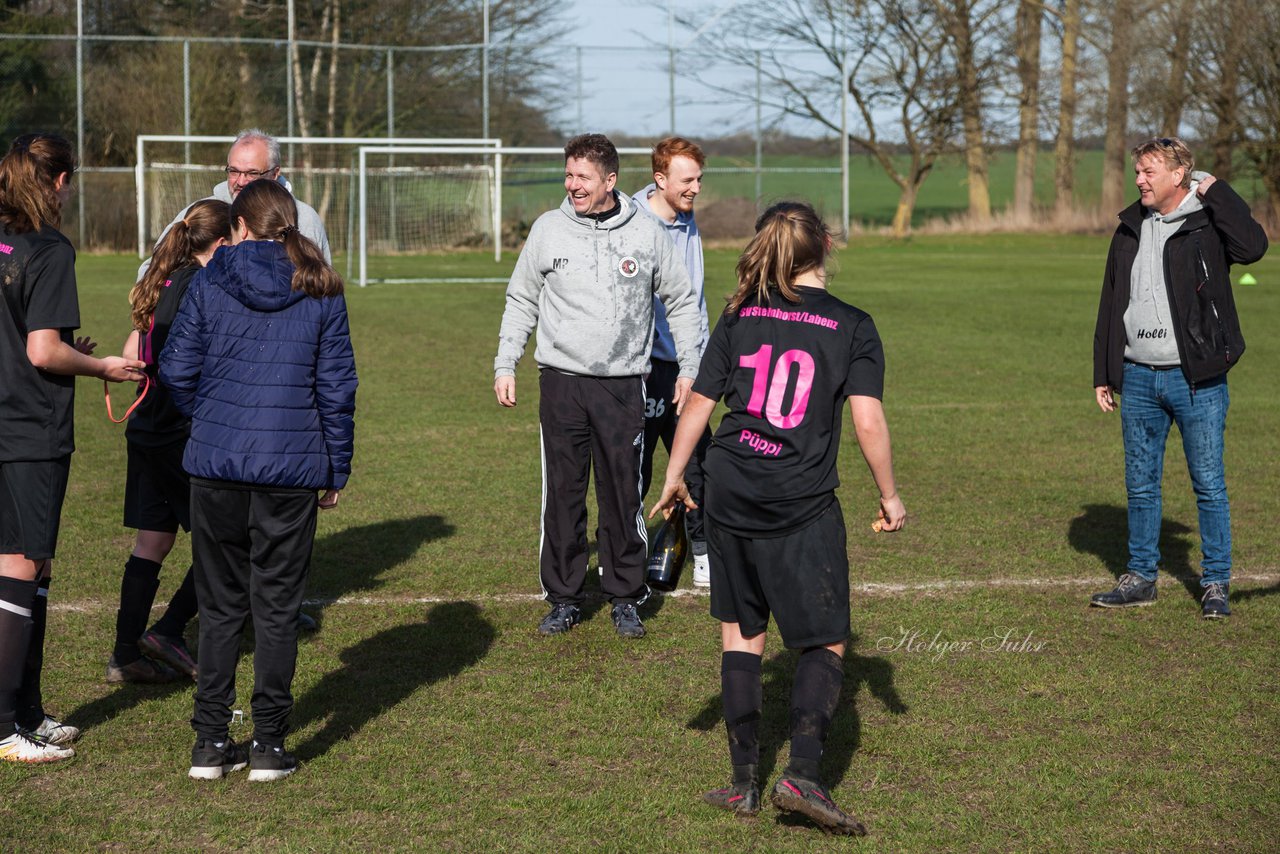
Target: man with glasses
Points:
(256, 154)
(1167, 334)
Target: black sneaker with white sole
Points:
(211, 759)
(267, 762)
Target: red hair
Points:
(676, 146)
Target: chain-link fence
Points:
(102, 90)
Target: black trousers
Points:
(252, 547)
(592, 422)
(660, 423)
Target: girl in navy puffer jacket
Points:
(259, 357)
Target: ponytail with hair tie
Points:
(287, 230)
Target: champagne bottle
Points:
(670, 547)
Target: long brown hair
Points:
(270, 213)
(791, 239)
(205, 222)
(28, 172)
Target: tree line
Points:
(926, 78)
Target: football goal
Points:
(406, 190)
(172, 171)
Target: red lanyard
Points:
(106, 390)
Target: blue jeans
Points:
(1150, 401)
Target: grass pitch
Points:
(986, 707)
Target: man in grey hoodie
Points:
(585, 280)
(1167, 334)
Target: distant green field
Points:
(431, 717)
(873, 196)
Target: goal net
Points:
(412, 208)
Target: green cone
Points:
(1248, 279)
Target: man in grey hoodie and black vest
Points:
(586, 279)
(1166, 336)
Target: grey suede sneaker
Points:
(627, 621)
(561, 619)
(1130, 590)
(1214, 603)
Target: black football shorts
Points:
(801, 578)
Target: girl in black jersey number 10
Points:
(784, 357)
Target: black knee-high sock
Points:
(30, 701)
(743, 696)
(15, 635)
(814, 695)
(137, 592)
(182, 609)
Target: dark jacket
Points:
(1197, 273)
(265, 373)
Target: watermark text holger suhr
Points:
(1002, 639)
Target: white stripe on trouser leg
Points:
(640, 525)
(542, 513)
(15, 609)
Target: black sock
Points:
(30, 702)
(137, 592)
(182, 609)
(814, 695)
(743, 697)
(15, 635)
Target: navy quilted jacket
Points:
(265, 373)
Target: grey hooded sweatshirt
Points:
(1148, 321)
(588, 287)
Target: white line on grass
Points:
(942, 586)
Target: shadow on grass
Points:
(122, 698)
(1103, 530)
(352, 560)
(380, 672)
(873, 673)
(1253, 593)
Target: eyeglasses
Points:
(1165, 141)
(251, 174)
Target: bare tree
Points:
(900, 77)
(1064, 149)
(1119, 64)
(1261, 105)
(967, 24)
(1175, 19)
(1027, 50)
(1221, 51)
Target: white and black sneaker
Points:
(211, 759)
(21, 746)
(55, 732)
(270, 763)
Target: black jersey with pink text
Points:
(784, 371)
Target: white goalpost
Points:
(490, 167)
(324, 176)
